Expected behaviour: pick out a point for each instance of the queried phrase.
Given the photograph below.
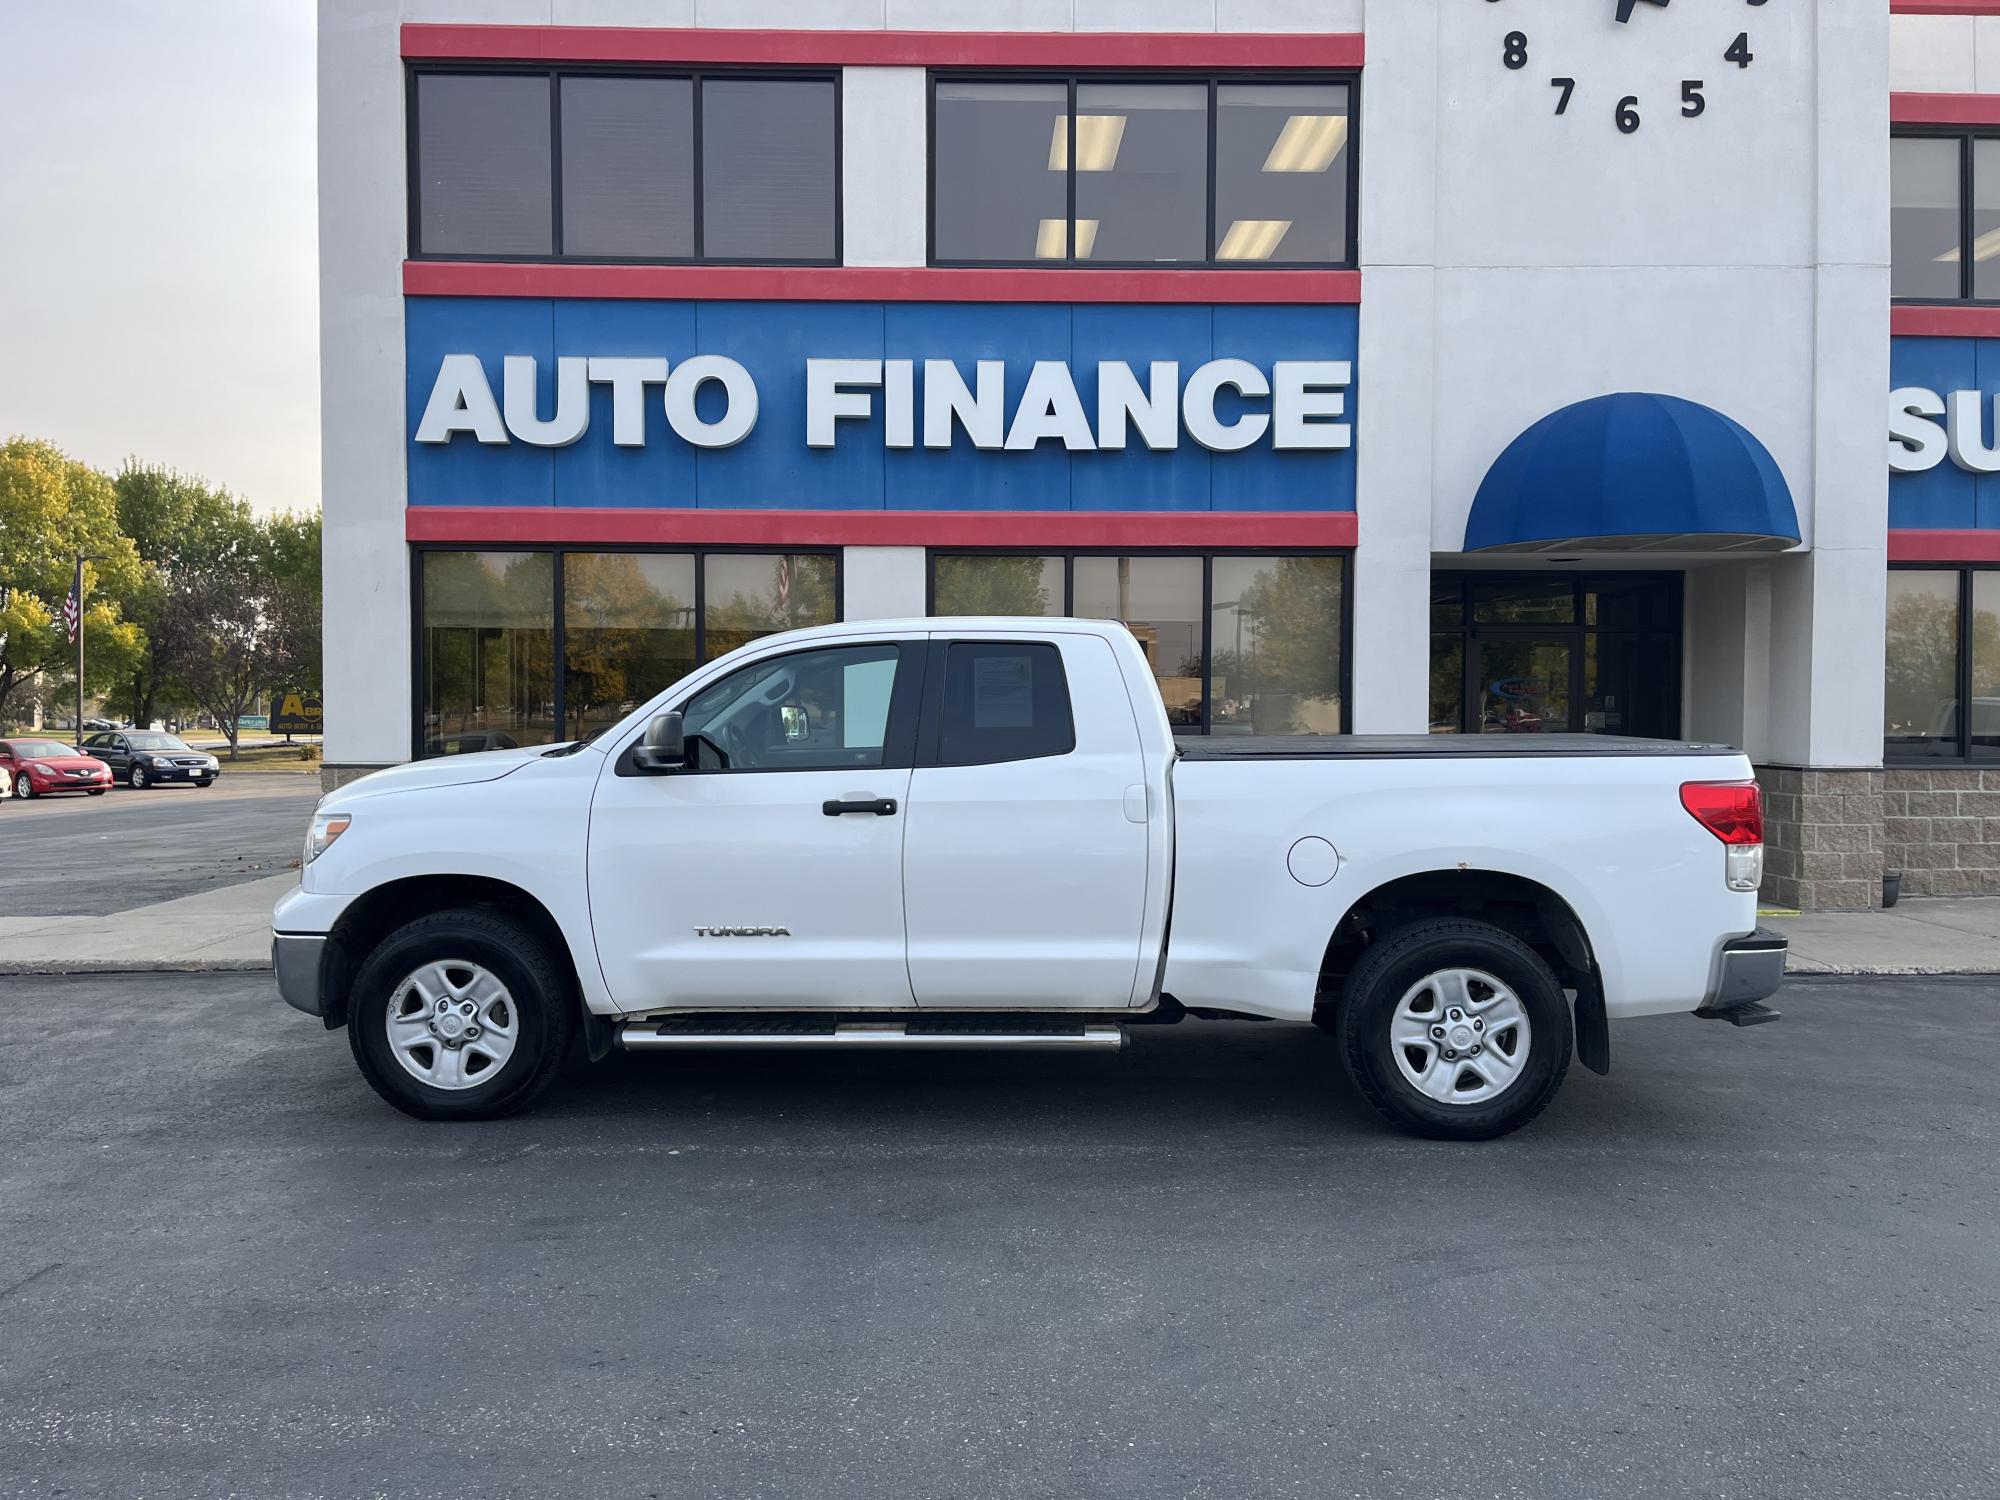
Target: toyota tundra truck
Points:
(943, 834)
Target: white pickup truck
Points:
(983, 833)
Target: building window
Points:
(1122, 172)
(551, 164)
(1943, 652)
(1944, 220)
(1238, 644)
(1542, 653)
(624, 625)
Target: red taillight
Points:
(1731, 810)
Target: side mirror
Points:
(663, 749)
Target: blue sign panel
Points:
(868, 405)
(1944, 455)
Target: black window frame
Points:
(1207, 555)
(1468, 630)
(1965, 138)
(1962, 755)
(558, 647)
(555, 73)
(1213, 79)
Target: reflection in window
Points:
(806, 711)
(1274, 645)
(984, 584)
(1985, 717)
(628, 167)
(994, 195)
(1447, 684)
(628, 633)
(1159, 600)
(749, 595)
(488, 650)
(1141, 170)
(1924, 225)
(483, 177)
(1281, 169)
(1986, 219)
(1920, 687)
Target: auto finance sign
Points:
(921, 406)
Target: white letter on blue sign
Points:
(946, 397)
(1306, 389)
(828, 399)
(461, 401)
(738, 416)
(1198, 405)
(572, 400)
(628, 379)
(1049, 409)
(1156, 412)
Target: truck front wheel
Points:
(1455, 1030)
(461, 1015)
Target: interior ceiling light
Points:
(1097, 141)
(1049, 239)
(1308, 143)
(1984, 248)
(1252, 239)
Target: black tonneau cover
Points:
(1413, 746)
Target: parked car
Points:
(42, 768)
(936, 834)
(145, 757)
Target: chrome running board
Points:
(687, 1036)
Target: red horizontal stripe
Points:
(1944, 546)
(544, 525)
(450, 278)
(1944, 7)
(1944, 109)
(918, 49)
(1955, 321)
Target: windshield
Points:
(40, 749)
(156, 742)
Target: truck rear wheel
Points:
(461, 1015)
(1455, 1030)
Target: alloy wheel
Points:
(452, 1024)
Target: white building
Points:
(1386, 364)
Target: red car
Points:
(35, 768)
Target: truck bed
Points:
(1439, 746)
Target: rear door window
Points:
(1003, 700)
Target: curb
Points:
(59, 966)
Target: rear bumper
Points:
(1747, 970)
(295, 959)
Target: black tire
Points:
(96, 791)
(137, 779)
(1392, 967)
(541, 987)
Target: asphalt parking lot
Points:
(89, 856)
(1755, 1263)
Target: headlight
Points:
(326, 827)
(160, 760)
(45, 768)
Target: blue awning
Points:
(1633, 472)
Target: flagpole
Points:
(76, 592)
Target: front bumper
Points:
(182, 773)
(295, 959)
(1748, 970)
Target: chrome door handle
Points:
(882, 807)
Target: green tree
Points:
(51, 508)
(182, 530)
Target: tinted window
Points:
(1274, 645)
(810, 711)
(767, 162)
(1920, 689)
(155, 742)
(1923, 217)
(997, 192)
(1281, 172)
(1984, 725)
(628, 167)
(488, 646)
(628, 633)
(994, 585)
(483, 168)
(1141, 171)
(1003, 700)
(750, 595)
(1159, 600)
(1986, 219)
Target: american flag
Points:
(784, 584)
(70, 613)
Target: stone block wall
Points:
(1941, 828)
(332, 776)
(1822, 838)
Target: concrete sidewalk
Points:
(1923, 935)
(223, 929)
(231, 929)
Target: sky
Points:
(158, 237)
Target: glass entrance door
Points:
(1542, 653)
